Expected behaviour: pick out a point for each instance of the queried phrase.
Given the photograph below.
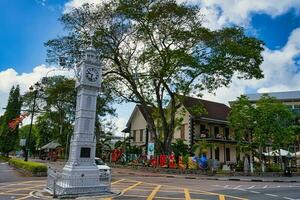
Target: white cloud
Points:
(239, 11)
(11, 77)
(280, 68)
(120, 123)
(219, 13)
(77, 3)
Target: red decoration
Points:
(172, 161)
(163, 160)
(115, 155)
(153, 161)
(12, 124)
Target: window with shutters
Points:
(217, 153)
(216, 131)
(141, 135)
(227, 133)
(182, 131)
(227, 154)
(134, 135)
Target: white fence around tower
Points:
(59, 185)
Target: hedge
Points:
(4, 158)
(32, 167)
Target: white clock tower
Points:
(80, 175)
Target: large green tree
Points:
(55, 107)
(241, 120)
(267, 123)
(9, 136)
(153, 50)
(273, 122)
(23, 134)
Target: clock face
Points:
(92, 74)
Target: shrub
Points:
(32, 167)
(273, 168)
(240, 166)
(4, 158)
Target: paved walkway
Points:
(155, 186)
(60, 164)
(130, 190)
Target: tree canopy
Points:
(56, 110)
(9, 137)
(153, 51)
(267, 123)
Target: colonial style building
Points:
(290, 98)
(211, 127)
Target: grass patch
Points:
(4, 158)
(33, 167)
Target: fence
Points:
(61, 185)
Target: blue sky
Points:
(25, 25)
(274, 31)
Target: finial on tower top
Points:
(90, 54)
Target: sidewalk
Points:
(295, 179)
(58, 165)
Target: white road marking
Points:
(251, 187)
(265, 186)
(278, 186)
(237, 187)
(288, 198)
(255, 192)
(226, 186)
(272, 195)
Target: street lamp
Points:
(33, 88)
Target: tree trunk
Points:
(261, 160)
(251, 162)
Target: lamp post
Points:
(35, 88)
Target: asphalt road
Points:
(135, 187)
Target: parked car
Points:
(104, 170)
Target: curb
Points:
(216, 178)
(250, 180)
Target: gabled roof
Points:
(143, 111)
(136, 108)
(52, 145)
(214, 110)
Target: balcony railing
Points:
(207, 135)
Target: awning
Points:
(51, 145)
(126, 130)
(297, 154)
(276, 153)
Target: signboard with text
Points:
(150, 150)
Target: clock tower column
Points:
(80, 175)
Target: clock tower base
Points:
(76, 180)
